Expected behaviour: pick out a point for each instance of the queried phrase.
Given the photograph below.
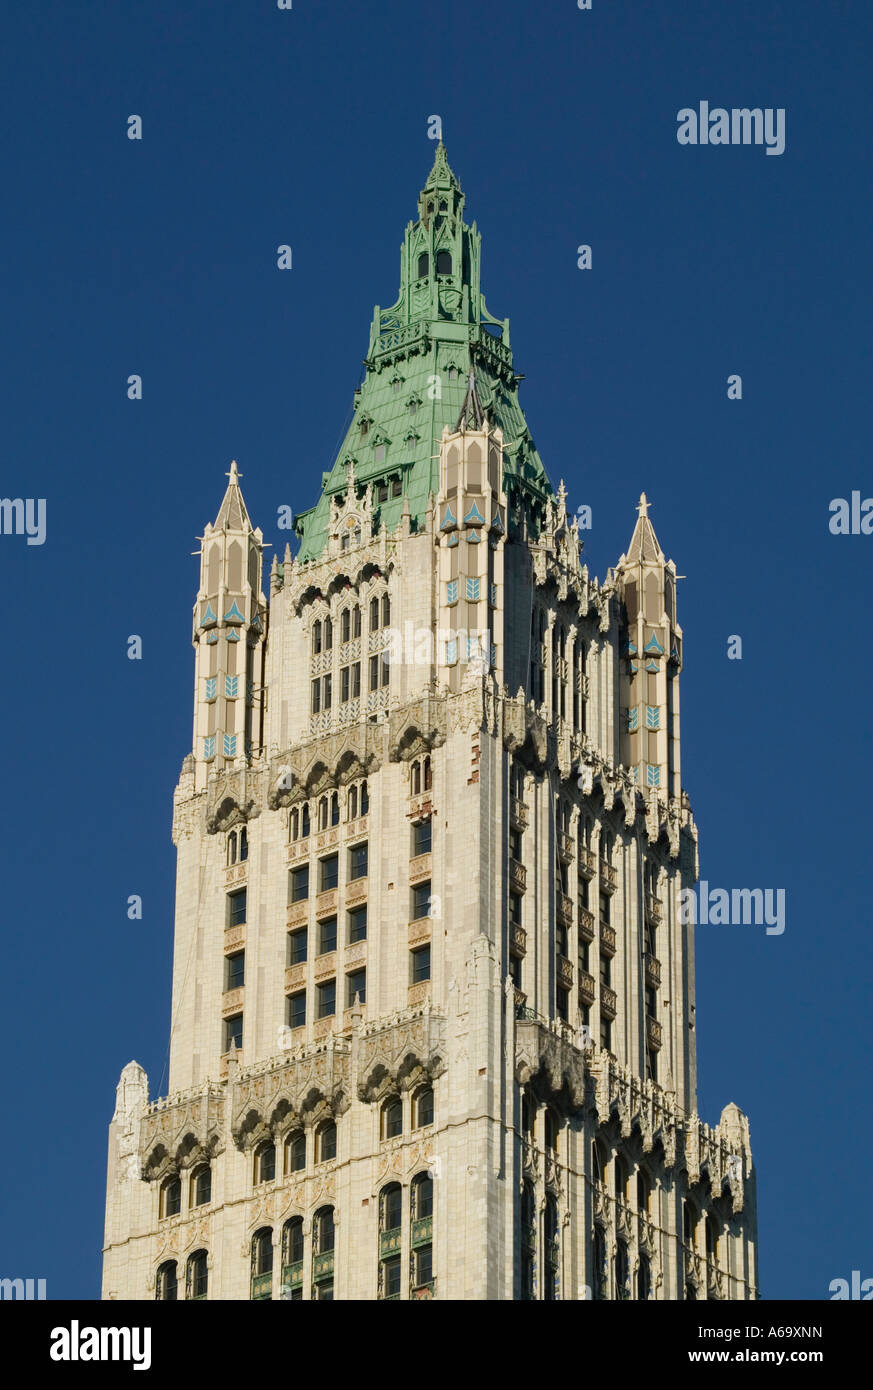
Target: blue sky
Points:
(157, 257)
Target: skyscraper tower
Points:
(433, 1020)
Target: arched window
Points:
(423, 1108)
(689, 1222)
(322, 813)
(374, 614)
(551, 1131)
(711, 1238)
(423, 265)
(328, 634)
(201, 1186)
(622, 1271)
(243, 845)
(262, 1263)
(390, 1208)
(598, 1162)
(443, 263)
(621, 1178)
(265, 1162)
(316, 637)
(365, 799)
(427, 774)
(552, 1260)
(292, 1259)
(171, 1197)
(294, 825)
(295, 1152)
(415, 779)
(644, 1279)
(304, 822)
(600, 1266)
(386, 610)
(353, 803)
(392, 1118)
(167, 1283)
(326, 1142)
(324, 1233)
(334, 808)
(644, 1193)
(197, 1275)
(231, 847)
(528, 1117)
(421, 1196)
(345, 625)
(356, 614)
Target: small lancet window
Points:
(423, 265)
(444, 263)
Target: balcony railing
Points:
(564, 906)
(566, 847)
(586, 924)
(517, 939)
(517, 813)
(565, 972)
(262, 1286)
(389, 1242)
(608, 876)
(422, 1231)
(654, 1032)
(587, 988)
(653, 910)
(292, 1276)
(517, 876)
(608, 1001)
(653, 971)
(587, 862)
(322, 1266)
(607, 938)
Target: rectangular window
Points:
(235, 970)
(374, 614)
(236, 905)
(386, 667)
(420, 901)
(396, 487)
(515, 908)
(316, 697)
(358, 861)
(605, 971)
(452, 591)
(345, 624)
(423, 1266)
(326, 694)
(300, 884)
(328, 873)
(382, 492)
(326, 997)
(233, 1032)
(605, 1034)
(296, 1010)
(561, 1007)
(356, 986)
(374, 673)
(651, 1004)
(358, 924)
(515, 970)
(420, 965)
(473, 587)
(344, 685)
(391, 1277)
(297, 947)
(356, 621)
(356, 680)
(515, 844)
(327, 936)
(421, 837)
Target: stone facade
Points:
(433, 1021)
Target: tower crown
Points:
(420, 355)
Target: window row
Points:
(355, 989)
(325, 812)
(350, 624)
(199, 1191)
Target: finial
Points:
(234, 473)
(643, 505)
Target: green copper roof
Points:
(417, 366)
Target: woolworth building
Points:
(433, 1019)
